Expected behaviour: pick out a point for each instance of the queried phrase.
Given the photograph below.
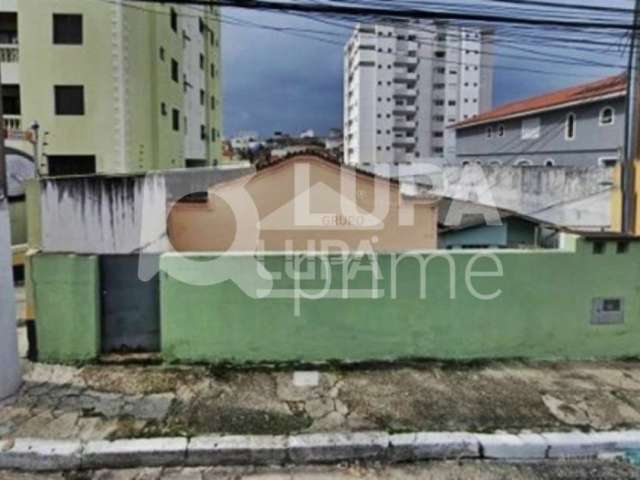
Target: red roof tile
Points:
(578, 93)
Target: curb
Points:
(31, 454)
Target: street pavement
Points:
(427, 471)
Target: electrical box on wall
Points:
(607, 311)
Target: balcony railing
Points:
(9, 54)
(12, 123)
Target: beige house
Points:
(304, 203)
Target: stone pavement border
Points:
(47, 455)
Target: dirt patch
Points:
(202, 417)
(138, 380)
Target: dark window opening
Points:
(174, 20)
(163, 109)
(11, 99)
(69, 100)
(213, 134)
(67, 29)
(162, 53)
(201, 62)
(175, 71)
(623, 247)
(599, 248)
(71, 164)
(201, 97)
(201, 25)
(213, 103)
(196, 163)
(175, 121)
(203, 132)
(213, 71)
(8, 28)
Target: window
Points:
(162, 53)
(549, 162)
(201, 62)
(213, 71)
(489, 132)
(501, 130)
(67, 29)
(201, 25)
(440, 54)
(213, 135)
(11, 99)
(175, 120)
(438, 134)
(174, 20)
(203, 132)
(175, 70)
(570, 127)
(452, 103)
(608, 162)
(69, 100)
(71, 164)
(163, 109)
(531, 128)
(607, 116)
(201, 97)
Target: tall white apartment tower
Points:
(404, 84)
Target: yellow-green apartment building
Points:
(115, 87)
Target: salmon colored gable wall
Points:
(267, 199)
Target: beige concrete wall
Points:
(269, 212)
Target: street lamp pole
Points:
(10, 378)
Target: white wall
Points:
(9, 364)
(571, 197)
(118, 214)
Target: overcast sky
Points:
(278, 81)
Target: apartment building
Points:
(405, 83)
(579, 126)
(114, 87)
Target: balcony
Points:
(404, 109)
(9, 54)
(404, 141)
(12, 122)
(401, 124)
(404, 76)
(402, 91)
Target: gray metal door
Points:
(130, 306)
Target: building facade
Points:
(581, 126)
(405, 83)
(114, 87)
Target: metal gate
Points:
(130, 306)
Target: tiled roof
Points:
(579, 93)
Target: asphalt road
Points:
(587, 470)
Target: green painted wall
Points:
(66, 292)
(543, 312)
(147, 136)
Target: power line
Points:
(410, 13)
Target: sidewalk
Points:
(112, 402)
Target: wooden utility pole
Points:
(9, 361)
(632, 141)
